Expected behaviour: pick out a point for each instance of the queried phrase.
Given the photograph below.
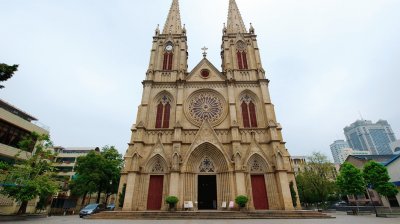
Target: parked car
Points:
(340, 203)
(110, 207)
(91, 209)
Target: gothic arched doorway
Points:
(207, 177)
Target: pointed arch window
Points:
(163, 113)
(248, 112)
(241, 55)
(168, 61)
(242, 60)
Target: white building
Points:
(395, 146)
(336, 149)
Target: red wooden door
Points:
(154, 197)
(260, 198)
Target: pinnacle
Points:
(235, 22)
(173, 24)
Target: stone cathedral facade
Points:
(206, 135)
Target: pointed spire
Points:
(235, 22)
(173, 24)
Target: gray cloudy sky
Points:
(82, 62)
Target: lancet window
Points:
(163, 113)
(167, 65)
(241, 55)
(168, 56)
(248, 112)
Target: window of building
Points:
(248, 112)
(242, 60)
(241, 55)
(168, 56)
(163, 113)
(167, 65)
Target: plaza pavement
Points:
(341, 218)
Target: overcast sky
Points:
(82, 62)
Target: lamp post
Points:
(367, 188)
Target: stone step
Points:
(211, 215)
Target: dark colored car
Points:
(91, 209)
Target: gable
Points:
(196, 74)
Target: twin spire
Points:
(173, 24)
(235, 23)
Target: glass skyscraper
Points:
(363, 135)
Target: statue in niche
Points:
(175, 162)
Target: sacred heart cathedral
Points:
(206, 135)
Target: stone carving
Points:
(176, 160)
(255, 165)
(206, 106)
(157, 167)
(206, 166)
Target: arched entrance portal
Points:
(207, 177)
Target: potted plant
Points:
(172, 200)
(241, 200)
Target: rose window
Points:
(206, 105)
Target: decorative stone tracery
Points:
(206, 105)
(157, 167)
(206, 166)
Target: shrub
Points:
(241, 200)
(172, 200)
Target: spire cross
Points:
(204, 51)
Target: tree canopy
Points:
(350, 180)
(98, 172)
(6, 72)
(376, 177)
(33, 177)
(316, 183)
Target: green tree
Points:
(28, 179)
(350, 180)
(114, 163)
(98, 172)
(316, 182)
(376, 176)
(6, 72)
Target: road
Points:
(341, 218)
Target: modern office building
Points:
(363, 135)
(337, 149)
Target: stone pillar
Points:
(174, 184)
(240, 184)
(129, 192)
(284, 190)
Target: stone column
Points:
(129, 192)
(284, 190)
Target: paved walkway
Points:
(341, 218)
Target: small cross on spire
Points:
(204, 51)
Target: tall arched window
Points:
(167, 65)
(242, 60)
(248, 112)
(241, 55)
(163, 113)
